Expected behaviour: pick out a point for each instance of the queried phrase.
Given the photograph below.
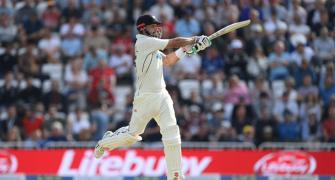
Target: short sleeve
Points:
(152, 44)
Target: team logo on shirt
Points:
(158, 56)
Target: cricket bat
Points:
(229, 28)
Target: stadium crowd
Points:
(66, 69)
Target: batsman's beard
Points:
(157, 33)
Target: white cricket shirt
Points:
(149, 64)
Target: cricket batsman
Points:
(151, 99)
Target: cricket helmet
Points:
(145, 20)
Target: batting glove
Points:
(202, 42)
(189, 50)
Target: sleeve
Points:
(152, 44)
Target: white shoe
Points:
(99, 150)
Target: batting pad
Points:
(120, 138)
(172, 150)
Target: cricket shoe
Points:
(99, 150)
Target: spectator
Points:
(225, 133)
(207, 10)
(77, 123)
(73, 26)
(92, 13)
(203, 133)
(137, 10)
(214, 92)
(274, 6)
(122, 63)
(31, 94)
(53, 115)
(25, 11)
(298, 26)
(304, 70)
(71, 10)
(168, 27)
(116, 27)
(191, 125)
(279, 61)
(273, 24)
(248, 134)
(257, 64)
(33, 27)
(8, 92)
(330, 8)
(266, 127)
(301, 53)
(195, 99)
(311, 103)
(102, 83)
(50, 44)
(329, 124)
(280, 34)
(13, 135)
(264, 103)
(31, 122)
(212, 62)
(126, 40)
(6, 7)
(255, 14)
(29, 61)
(8, 121)
(100, 120)
(260, 89)
(76, 81)
(57, 132)
(71, 46)
(255, 39)
(187, 26)
(289, 129)
(323, 23)
(8, 30)
(236, 91)
(97, 39)
(324, 46)
(327, 70)
(35, 139)
(8, 60)
(328, 90)
(307, 86)
(226, 13)
(285, 105)
(311, 128)
(236, 60)
(51, 16)
(92, 58)
(188, 67)
(55, 97)
(296, 10)
(240, 120)
(216, 118)
(162, 7)
(289, 88)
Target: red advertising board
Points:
(70, 162)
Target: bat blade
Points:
(229, 28)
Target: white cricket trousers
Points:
(160, 107)
(152, 105)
